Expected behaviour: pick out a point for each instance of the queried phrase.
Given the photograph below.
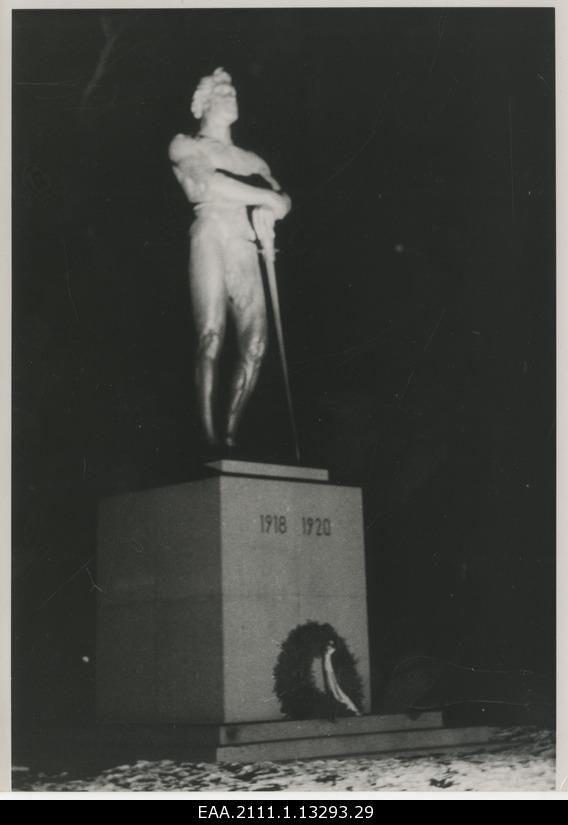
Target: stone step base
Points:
(247, 733)
(351, 744)
(264, 741)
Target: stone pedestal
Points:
(203, 581)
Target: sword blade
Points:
(268, 255)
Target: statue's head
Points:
(215, 97)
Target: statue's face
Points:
(223, 104)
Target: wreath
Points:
(294, 682)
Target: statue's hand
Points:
(279, 203)
(287, 202)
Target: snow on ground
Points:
(525, 761)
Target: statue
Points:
(225, 184)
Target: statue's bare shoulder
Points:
(182, 147)
(192, 164)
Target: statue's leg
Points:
(249, 312)
(209, 305)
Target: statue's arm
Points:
(191, 167)
(201, 182)
(224, 188)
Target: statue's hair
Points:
(206, 89)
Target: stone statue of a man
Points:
(224, 273)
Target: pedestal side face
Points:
(292, 552)
(159, 639)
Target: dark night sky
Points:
(417, 278)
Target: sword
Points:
(267, 247)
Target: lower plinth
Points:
(370, 735)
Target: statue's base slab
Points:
(267, 742)
(260, 469)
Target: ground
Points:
(524, 761)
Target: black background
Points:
(417, 277)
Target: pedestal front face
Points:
(202, 582)
(292, 552)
